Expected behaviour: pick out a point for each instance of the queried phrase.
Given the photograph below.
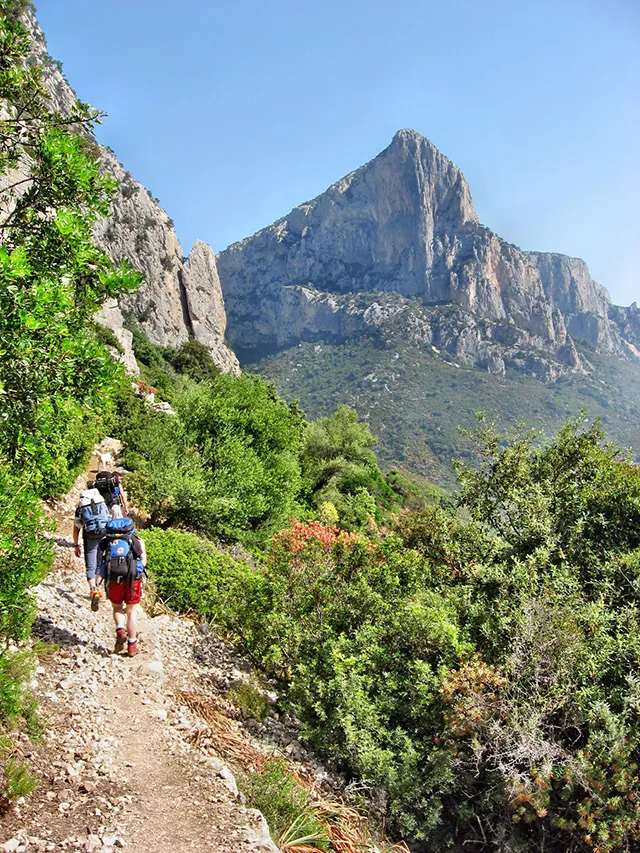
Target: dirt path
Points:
(119, 764)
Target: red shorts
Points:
(124, 593)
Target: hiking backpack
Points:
(93, 512)
(108, 484)
(119, 561)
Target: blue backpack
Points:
(119, 562)
(94, 515)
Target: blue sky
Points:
(234, 112)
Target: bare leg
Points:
(118, 615)
(132, 619)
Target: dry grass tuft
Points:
(346, 829)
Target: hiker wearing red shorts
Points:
(124, 557)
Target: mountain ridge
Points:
(404, 222)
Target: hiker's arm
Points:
(123, 497)
(143, 553)
(76, 543)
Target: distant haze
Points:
(234, 113)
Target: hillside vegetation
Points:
(414, 399)
(56, 377)
(484, 673)
(470, 659)
(476, 660)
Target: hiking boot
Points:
(132, 648)
(121, 640)
(96, 595)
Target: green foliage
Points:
(226, 465)
(484, 671)
(24, 554)
(107, 336)
(339, 467)
(19, 782)
(148, 354)
(193, 575)
(275, 792)
(413, 491)
(155, 365)
(194, 360)
(164, 367)
(15, 702)
(53, 370)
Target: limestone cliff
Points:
(180, 297)
(405, 224)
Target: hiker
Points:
(91, 518)
(122, 563)
(109, 485)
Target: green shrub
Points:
(107, 336)
(275, 792)
(482, 671)
(19, 782)
(15, 701)
(24, 557)
(226, 465)
(192, 575)
(194, 360)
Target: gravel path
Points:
(121, 763)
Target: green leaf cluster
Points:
(53, 369)
(339, 468)
(226, 464)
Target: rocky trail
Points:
(124, 761)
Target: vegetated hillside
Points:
(415, 399)
(478, 668)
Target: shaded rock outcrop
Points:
(404, 223)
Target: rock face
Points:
(404, 224)
(180, 297)
(110, 316)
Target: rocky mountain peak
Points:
(404, 224)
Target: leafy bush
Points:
(194, 360)
(52, 278)
(24, 554)
(16, 704)
(19, 782)
(275, 792)
(482, 671)
(192, 575)
(339, 467)
(226, 465)
(108, 337)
